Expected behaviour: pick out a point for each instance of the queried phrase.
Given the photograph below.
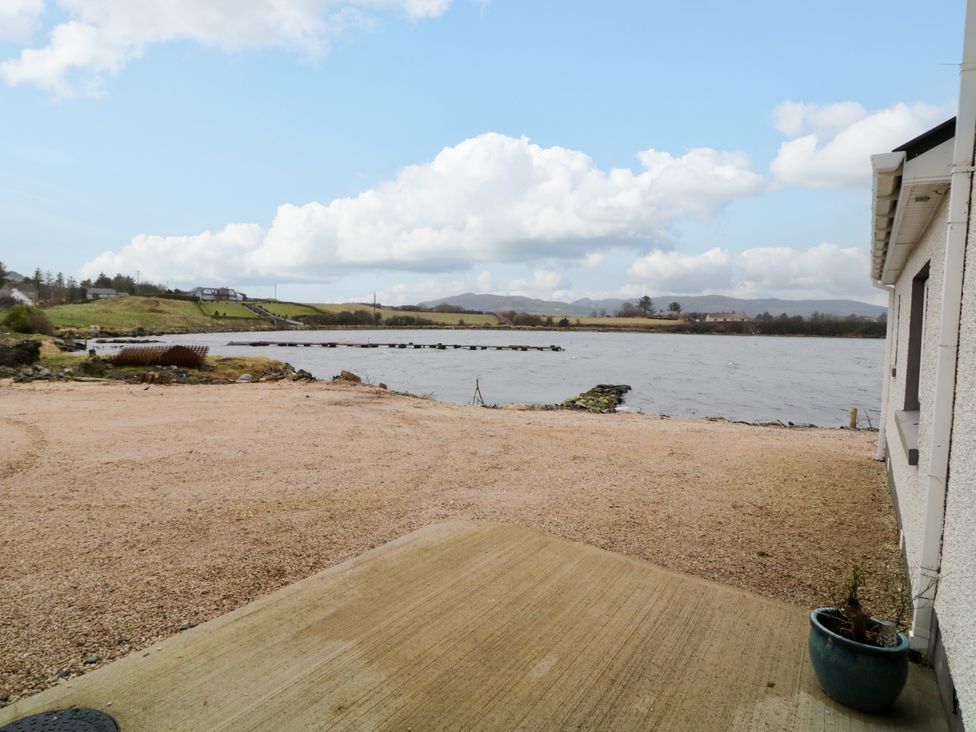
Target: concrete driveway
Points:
(470, 625)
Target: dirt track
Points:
(126, 513)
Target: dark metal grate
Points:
(64, 720)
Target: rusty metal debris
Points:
(191, 357)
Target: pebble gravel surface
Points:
(129, 513)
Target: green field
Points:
(439, 318)
(644, 323)
(128, 313)
(288, 309)
(150, 313)
(227, 310)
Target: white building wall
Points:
(955, 602)
(910, 482)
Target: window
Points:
(907, 419)
(916, 337)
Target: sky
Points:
(324, 150)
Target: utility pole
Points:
(374, 308)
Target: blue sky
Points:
(419, 148)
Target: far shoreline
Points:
(146, 333)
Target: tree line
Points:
(54, 288)
(643, 307)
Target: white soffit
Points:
(906, 197)
(885, 188)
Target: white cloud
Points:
(432, 288)
(822, 268)
(550, 279)
(825, 269)
(19, 19)
(491, 198)
(677, 273)
(543, 279)
(592, 260)
(832, 144)
(483, 281)
(210, 256)
(794, 119)
(101, 36)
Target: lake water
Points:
(749, 378)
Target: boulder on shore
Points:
(20, 353)
(347, 377)
(602, 398)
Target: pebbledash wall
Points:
(910, 481)
(955, 601)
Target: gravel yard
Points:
(129, 513)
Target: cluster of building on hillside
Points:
(211, 294)
(23, 290)
(17, 288)
(217, 294)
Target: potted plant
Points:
(860, 661)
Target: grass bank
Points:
(148, 313)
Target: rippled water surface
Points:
(749, 378)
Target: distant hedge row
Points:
(792, 326)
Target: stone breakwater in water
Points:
(601, 399)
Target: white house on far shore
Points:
(102, 293)
(924, 255)
(726, 318)
(217, 294)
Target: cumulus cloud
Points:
(592, 260)
(431, 288)
(158, 258)
(831, 144)
(794, 119)
(99, 37)
(675, 272)
(19, 19)
(824, 268)
(543, 279)
(491, 198)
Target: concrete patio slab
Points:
(470, 625)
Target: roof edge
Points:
(928, 139)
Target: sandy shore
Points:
(128, 513)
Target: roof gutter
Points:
(926, 577)
(886, 186)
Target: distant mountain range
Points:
(689, 304)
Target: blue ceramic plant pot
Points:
(857, 675)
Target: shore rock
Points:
(20, 353)
(69, 346)
(348, 377)
(38, 373)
